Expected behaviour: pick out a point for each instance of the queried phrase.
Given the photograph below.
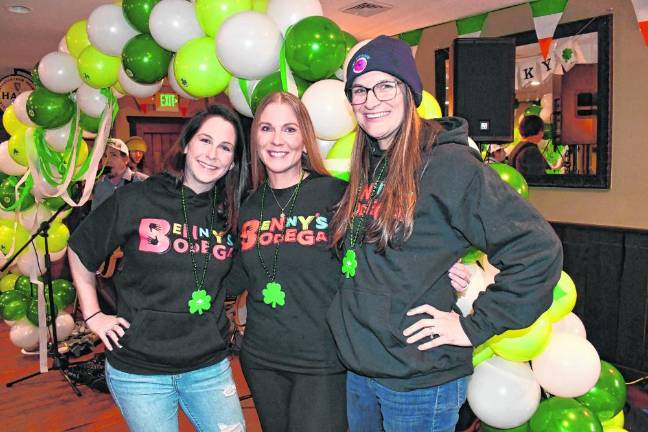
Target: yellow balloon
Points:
(564, 298)
(82, 153)
(481, 353)
(76, 38)
(8, 282)
(260, 5)
(523, 344)
(10, 122)
(17, 149)
(614, 429)
(615, 422)
(429, 107)
(12, 235)
(117, 86)
(57, 238)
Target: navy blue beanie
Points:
(389, 55)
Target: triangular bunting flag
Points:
(412, 37)
(471, 26)
(641, 9)
(546, 16)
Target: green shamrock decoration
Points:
(567, 54)
(273, 295)
(349, 263)
(200, 301)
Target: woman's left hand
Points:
(445, 325)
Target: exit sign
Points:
(166, 102)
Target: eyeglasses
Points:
(383, 91)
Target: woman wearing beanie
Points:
(136, 150)
(418, 198)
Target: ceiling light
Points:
(19, 9)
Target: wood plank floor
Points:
(47, 403)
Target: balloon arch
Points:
(249, 49)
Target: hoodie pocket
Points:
(174, 339)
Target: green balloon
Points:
(349, 41)
(25, 286)
(8, 194)
(138, 12)
(90, 124)
(32, 311)
(533, 110)
(521, 428)
(97, 69)
(64, 292)
(608, 395)
(35, 77)
(564, 415)
(271, 84)
(197, 69)
(511, 176)
(49, 110)
(144, 60)
(212, 13)
(13, 305)
(471, 255)
(315, 48)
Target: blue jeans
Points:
(207, 396)
(372, 407)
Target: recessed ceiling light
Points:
(19, 9)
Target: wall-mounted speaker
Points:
(482, 86)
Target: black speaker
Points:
(482, 86)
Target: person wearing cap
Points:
(116, 172)
(136, 149)
(418, 198)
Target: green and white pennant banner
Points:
(471, 26)
(641, 10)
(546, 16)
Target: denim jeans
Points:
(372, 407)
(207, 396)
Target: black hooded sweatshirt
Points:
(155, 280)
(461, 202)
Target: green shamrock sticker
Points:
(349, 263)
(273, 295)
(200, 302)
(567, 54)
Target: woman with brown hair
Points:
(418, 198)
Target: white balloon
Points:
(64, 326)
(57, 138)
(570, 324)
(34, 216)
(329, 109)
(173, 23)
(62, 46)
(59, 73)
(248, 44)
(24, 335)
(31, 262)
(545, 114)
(236, 97)
(91, 101)
(108, 29)
(546, 101)
(10, 323)
(477, 285)
(20, 108)
(174, 84)
(324, 146)
(136, 89)
(7, 164)
(350, 55)
(288, 12)
(502, 393)
(568, 367)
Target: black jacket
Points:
(461, 202)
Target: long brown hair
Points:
(312, 160)
(231, 187)
(400, 192)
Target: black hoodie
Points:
(461, 202)
(155, 280)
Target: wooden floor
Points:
(47, 403)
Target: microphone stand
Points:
(60, 362)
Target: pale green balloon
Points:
(197, 69)
(212, 13)
(97, 69)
